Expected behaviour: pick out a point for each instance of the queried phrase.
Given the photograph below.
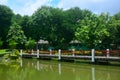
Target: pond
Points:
(32, 69)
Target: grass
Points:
(3, 51)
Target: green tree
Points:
(17, 18)
(92, 30)
(12, 44)
(114, 30)
(25, 23)
(30, 44)
(117, 17)
(1, 42)
(39, 23)
(71, 18)
(5, 22)
(16, 35)
(47, 23)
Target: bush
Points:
(12, 44)
(1, 42)
(30, 44)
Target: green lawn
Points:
(3, 51)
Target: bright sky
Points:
(27, 7)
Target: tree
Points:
(47, 24)
(114, 30)
(12, 44)
(71, 18)
(92, 30)
(30, 44)
(5, 22)
(1, 42)
(16, 35)
(17, 18)
(25, 23)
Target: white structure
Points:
(93, 55)
(59, 54)
(21, 52)
(107, 53)
(37, 53)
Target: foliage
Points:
(114, 29)
(92, 30)
(59, 27)
(15, 52)
(13, 56)
(17, 18)
(12, 44)
(16, 35)
(6, 15)
(30, 44)
(3, 51)
(25, 22)
(1, 42)
(47, 24)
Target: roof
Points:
(43, 41)
(74, 41)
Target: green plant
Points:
(30, 43)
(12, 44)
(16, 52)
(1, 42)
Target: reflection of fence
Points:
(115, 53)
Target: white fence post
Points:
(32, 51)
(50, 51)
(107, 53)
(21, 52)
(93, 55)
(59, 54)
(73, 52)
(38, 53)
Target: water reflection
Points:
(59, 68)
(38, 65)
(49, 70)
(21, 64)
(93, 73)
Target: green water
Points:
(29, 69)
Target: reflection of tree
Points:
(56, 71)
(14, 72)
(20, 74)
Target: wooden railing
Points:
(77, 52)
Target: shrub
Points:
(1, 42)
(12, 44)
(30, 44)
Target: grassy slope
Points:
(3, 51)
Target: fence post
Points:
(21, 52)
(38, 53)
(73, 52)
(59, 54)
(107, 52)
(32, 51)
(50, 51)
(93, 55)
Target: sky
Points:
(28, 7)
